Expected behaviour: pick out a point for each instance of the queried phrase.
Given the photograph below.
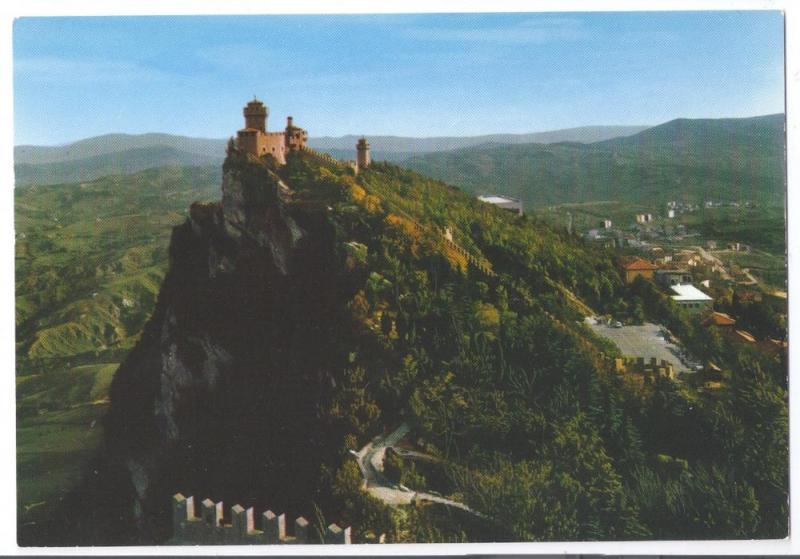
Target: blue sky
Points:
(407, 75)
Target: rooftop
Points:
(688, 292)
(745, 336)
(719, 319)
(638, 264)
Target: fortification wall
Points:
(211, 529)
(323, 158)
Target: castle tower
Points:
(362, 155)
(255, 115)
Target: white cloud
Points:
(51, 69)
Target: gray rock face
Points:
(225, 269)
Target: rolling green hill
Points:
(688, 160)
(89, 262)
(105, 164)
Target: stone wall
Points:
(210, 528)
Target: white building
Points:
(504, 202)
(689, 297)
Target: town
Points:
(704, 277)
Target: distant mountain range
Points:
(111, 163)
(404, 145)
(684, 159)
(117, 143)
(127, 153)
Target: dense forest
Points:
(501, 380)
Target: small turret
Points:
(296, 137)
(362, 155)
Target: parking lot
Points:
(641, 341)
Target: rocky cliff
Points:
(222, 394)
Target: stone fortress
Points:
(256, 140)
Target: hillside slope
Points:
(310, 310)
(127, 161)
(688, 160)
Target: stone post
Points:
(274, 527)
(212, 512)
(300, 530)
(336, 535)
(242, 520)
(182, 511)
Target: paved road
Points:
(370, 461)
(641, 341)
(708, 257)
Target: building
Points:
(687, 258)
(644, 218)
(256, 140)
(744, 336)
(690, 298)
(773, 347)
(607, 224)
(672, 276)
(503, 202)
(720, 320)
(631, 268)
(362, 155)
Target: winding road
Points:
(370, 461)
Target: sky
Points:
(404, 75)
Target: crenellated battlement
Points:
(324, 158)
(210, 527)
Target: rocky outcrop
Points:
(220, 387)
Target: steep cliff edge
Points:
(224, 391)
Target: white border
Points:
(9, 9)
